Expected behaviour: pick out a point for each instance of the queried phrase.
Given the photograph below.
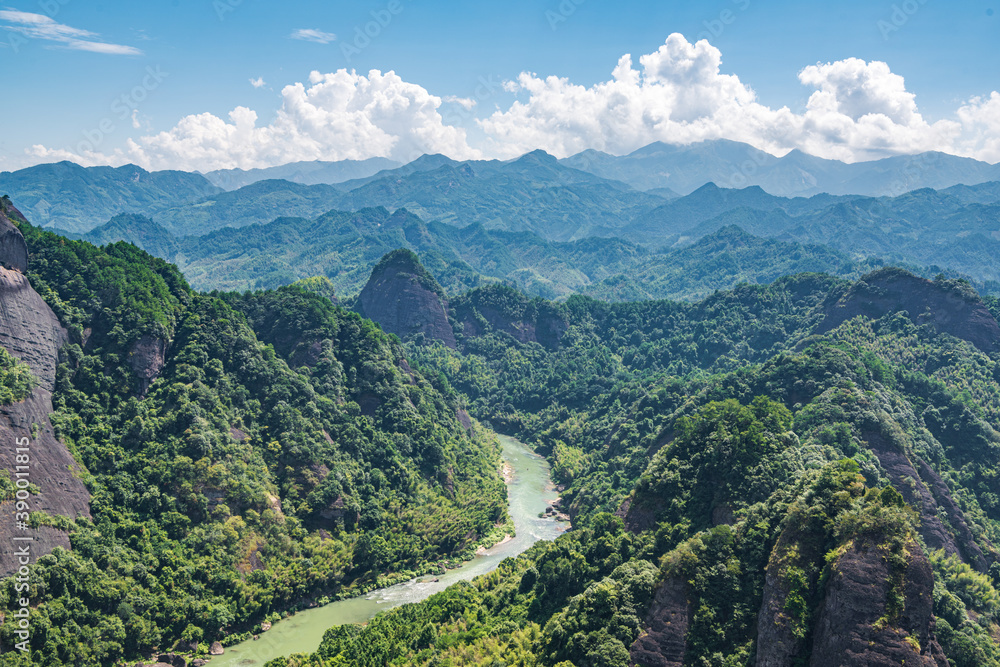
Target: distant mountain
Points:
(138, 230)
(306, 173)
(346, 245)
(735, 165)
(74, 198)
(343, 247)
(533, 193)
(721, 260)
(256, 203)
(681, 215)
(957, 228)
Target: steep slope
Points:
(227, 488)
(686, 168)
(306, 173)
(67, 196)
(406, 300)
(949, 307)
(30, 331)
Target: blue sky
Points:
(73, 71)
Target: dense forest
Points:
(780, 475)
(244, 454)
(776, 474)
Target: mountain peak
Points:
(13, 250)
(405, 299)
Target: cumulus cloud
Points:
(39, 26)
(313, 35)
(337, 116)
(679, 94)
(466, 103)
(258, 82)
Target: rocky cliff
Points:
(948, 306)
(31, 332)
(406, 300)
(13, 252)
(664, 639)
(850, 626)
(501, 308)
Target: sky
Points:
(210, 84)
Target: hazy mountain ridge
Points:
(736, 165)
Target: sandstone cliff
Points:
(850, 628)
(30, 331)
(946, 306)
(406, 300)
(664, 639)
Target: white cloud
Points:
(859, 110)
(39, 26)
(466, 103)
(336, 116)
(258, 82)
(312, 35)
(678, 94)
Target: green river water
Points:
(529, 493)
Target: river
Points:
(528, 493)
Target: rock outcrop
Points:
(13, 251)
(30, 331)
(406, 300)
(504, 309)
(664, 639)
(926, 499)
(850, 628)
(945, 306)
(147, 357)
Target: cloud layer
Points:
(39, 26)
(313, 35)
(857, 110)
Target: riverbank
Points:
(528, 491)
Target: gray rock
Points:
(13, 251)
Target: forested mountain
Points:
(307, 173)
(790, 462)
(242, 453)
(572, 231)
(737, 165)
(345, 247)
(74, 198)
(800, 473)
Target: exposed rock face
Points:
(776, 645)
(905, 478)
(405, 300)
(28, 327)
(31, 332)
(663, 642)
(216, 649)
(147, 356)
(948, 310)
(846, 630)
(52, 470)
(13, 251)
(545, 328)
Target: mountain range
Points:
(590, 191)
